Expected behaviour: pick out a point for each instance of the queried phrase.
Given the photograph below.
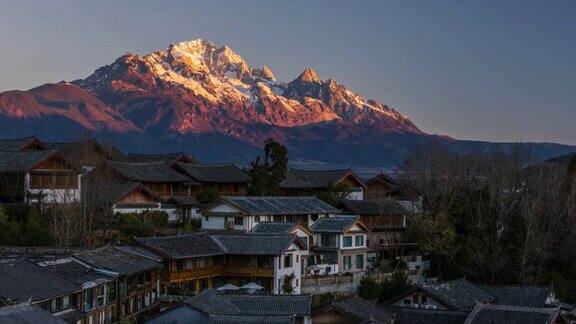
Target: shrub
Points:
(207, 197)
(132, 225)
(287, 285)
(397, 284)
(369, 289)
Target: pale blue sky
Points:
(486, 70)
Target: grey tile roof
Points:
(147, 172)
(314, 179)
(183, 201)
(243, 319)
(16, 144)
(118, 259)
(183, 246)
(381, 178)
(70, 315)
(363, 309)
(458, 294)
(409, 315)
(158, 157)
(27, 314)
(496, 314)
(255, 244)
(280, 205)
(273, 227)
(22, 160)
(520, 295)
(225, 173)
(74, 271)
(21, 279)
(374, 207)
(214, 303)
(337, 224)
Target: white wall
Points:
(281, 272)
(356, 194)
(55, 195)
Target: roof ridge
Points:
(19, 139)
(132, 153)
(92, 140)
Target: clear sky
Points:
(487, 70)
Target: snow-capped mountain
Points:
(198, 97)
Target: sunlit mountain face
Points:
(197, 97)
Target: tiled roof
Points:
(183, 201)
(273, 227)
(22, 160)
(409, 315)
(280, 205)
(496, 314)
(337, 224)
(147, 172)
(381, 177)
(314, 179)
(27, 314)
(214, 303)
(363, 309)
(118, 259)
(160, 157)
(183, 246)
(458, 294)
(21, 280)
(243, 319)
(374, 207)
(16, 144)
(74, 271)
(226, 173)
(255, 244)
(527, 296)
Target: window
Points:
(206, 218)
(256, 219)
(415, 299)
(423, 299)
(359, 261)
(201, 263)
(347, 241)
(288, 261)
(347, 262)
(238, 221)
(359, 240)
(179, 264)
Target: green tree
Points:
(266, 175)
(369, 289)
(287, 284)
(397, 284)
(207, 196)
(335, 194)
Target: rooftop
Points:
(280, 205)
(214, 303)
(147, 172)
(274, 227)
(512, 314)
(519, 295)
(74, 271)
(22, 280)
(119, 259)
(226, 173)
(374, 207)
(256, 244)
(18, 144)
(338, 224)
(363, 309)
(458, 294)
(27, 314)
(22, 160)
(183, 246)
(409, 315)
(316, 179)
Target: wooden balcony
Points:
(215, 271)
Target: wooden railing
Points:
(225, 270)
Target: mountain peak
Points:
(267, 73)
(309, 75)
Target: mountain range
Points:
(208, 101)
